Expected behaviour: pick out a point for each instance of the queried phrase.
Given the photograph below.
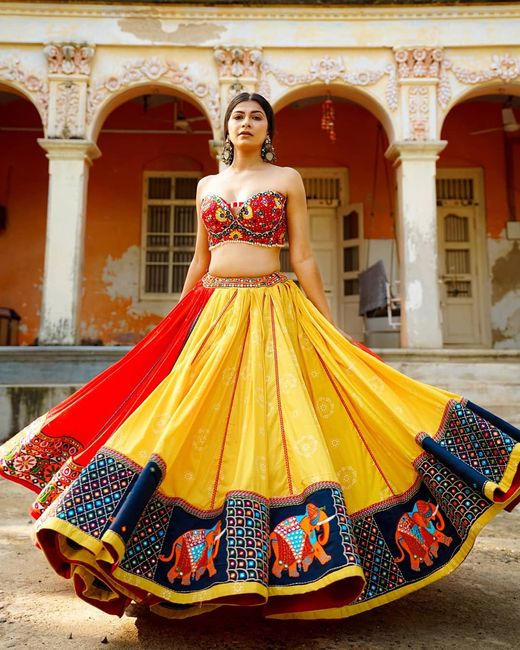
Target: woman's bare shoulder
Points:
(291, 177)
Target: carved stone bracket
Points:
(69, 70)
(236, 62)
(238, 69)
(36, 88)
(69, 58)
(150, 70)
(424, 63)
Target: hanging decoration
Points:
(328, 117)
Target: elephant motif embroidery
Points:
(195, 552)
(419, 534)
(297, 540)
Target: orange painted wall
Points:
(301, 143)
(23, 190)
(113, 225)
(485, 151)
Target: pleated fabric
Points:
(247, 454)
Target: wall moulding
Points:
(29, 84)
(240, 13)
(154, 69)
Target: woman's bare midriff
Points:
(236, 259)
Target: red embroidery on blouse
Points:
(261, 220)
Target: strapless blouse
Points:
(261, 220)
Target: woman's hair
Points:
(244, 97)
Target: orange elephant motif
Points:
(297, 540)
(419, 534)
(195, 552)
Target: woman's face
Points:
(247, 125)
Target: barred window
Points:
(169, 231)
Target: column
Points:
(417, 241)
(69, 162)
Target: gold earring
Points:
(268, 153)
(228, 153)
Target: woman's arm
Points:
(201, 257)
(302, 258)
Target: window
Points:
(169, 232)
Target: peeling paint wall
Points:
(111, 309)
(504, 259)
(467, 149)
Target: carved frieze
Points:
(329, 70)
(154, 69)
(503, 67)
(11, 70)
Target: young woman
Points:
(249, 453)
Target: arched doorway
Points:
(141, 217)
(478, 203)
(23, 208)
(350, 193)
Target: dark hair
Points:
(244, 97)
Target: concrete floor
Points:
(478, 606)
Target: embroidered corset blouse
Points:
(261, 219)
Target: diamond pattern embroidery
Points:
(95, 495)
(345, 528)
(476, 442)
(381, 572)
(461, 504)
(144, 547)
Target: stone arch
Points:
(491, 87)
(354, 94)
(150, 76)
(16, 80)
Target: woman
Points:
(245, 452)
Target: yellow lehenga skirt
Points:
(245, 453)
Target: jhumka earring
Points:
(268, 152)
(227, 152)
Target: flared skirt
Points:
(246, 454)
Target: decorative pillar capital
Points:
(69, 58)
(418, 62)
(68, 72)
(238, 69)
(426, 150)
(61, 149)
(422, 82)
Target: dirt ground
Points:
(478, 606)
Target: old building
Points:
(110, 112)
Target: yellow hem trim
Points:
(119, 577)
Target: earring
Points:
(227, 152)
(268, 153)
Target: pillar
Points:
(417, 241)
(69, 162)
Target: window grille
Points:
(455, 189)
(169, 231)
